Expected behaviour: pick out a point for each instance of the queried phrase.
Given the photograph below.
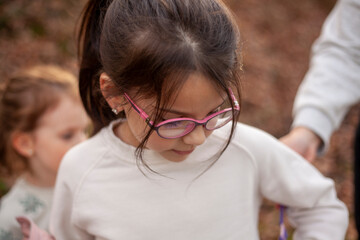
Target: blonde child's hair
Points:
(24, 98)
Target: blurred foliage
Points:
(3, 188)
(37, 31)
(40, 19)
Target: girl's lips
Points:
(183, 152)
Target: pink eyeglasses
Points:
(179, 127)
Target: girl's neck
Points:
(123, 132)
(40, 180)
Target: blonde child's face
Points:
(196, 99)
(59, 129)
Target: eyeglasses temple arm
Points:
(236, 103)
(142, 114)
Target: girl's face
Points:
(196, 99)
(60, 128)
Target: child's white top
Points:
(26, 200)
(101, 194)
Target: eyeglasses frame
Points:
(202, 122)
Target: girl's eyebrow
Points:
(183, 113)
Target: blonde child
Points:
(41, 117)
(160, 80)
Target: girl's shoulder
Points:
(256, 143)
(89, 148)
(86, 156)
(83, 156)
(250, 134)
(247, 135)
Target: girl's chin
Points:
(176, 156)
(182, 153)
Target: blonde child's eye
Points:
(67, 136)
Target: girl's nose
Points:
(196, 137)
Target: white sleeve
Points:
(62, 225)
(313, 207)
(332, 83)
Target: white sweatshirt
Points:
(101, 194)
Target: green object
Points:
(3, 188)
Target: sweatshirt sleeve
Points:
(313, 208)
(332, 83)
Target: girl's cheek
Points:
(156, 143)
(138, 128)
(141, 133)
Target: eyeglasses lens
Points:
(180, 128)
(219, 120)
(176, 129)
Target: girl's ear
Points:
(23, 143)
(108, 89)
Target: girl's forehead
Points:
(196, 92)
(199, 86)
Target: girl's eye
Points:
(215, 111)
(173, 124)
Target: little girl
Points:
(41, 117)
(160, 80)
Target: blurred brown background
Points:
(276, 40)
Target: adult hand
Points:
(303, 141)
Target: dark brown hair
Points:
(24, 98)
(153, 46)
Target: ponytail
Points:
(88, 40)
